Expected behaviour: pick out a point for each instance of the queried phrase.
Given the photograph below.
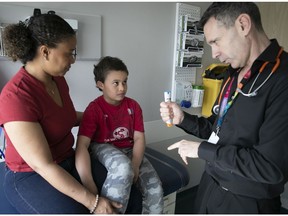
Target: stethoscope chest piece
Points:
(216, 109)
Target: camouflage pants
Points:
(120, 175)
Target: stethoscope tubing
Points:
(254, 93)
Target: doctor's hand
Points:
(171, 110)
(186, 149)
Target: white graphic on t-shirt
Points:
(130, 111)
(120, 133)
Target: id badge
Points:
(214, 138)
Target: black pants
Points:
(212, 198)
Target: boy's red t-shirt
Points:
(106, 123)
(25, 98)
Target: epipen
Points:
(167, 98)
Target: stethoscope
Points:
(240, 85)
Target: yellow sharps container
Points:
(211, 87)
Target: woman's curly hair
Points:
(21, 40)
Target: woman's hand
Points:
(106, 206)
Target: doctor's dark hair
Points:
(105, 66)
(21, 40)
(228, 12)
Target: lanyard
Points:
(225, 105)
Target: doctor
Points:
(246, 141)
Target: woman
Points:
(37, 115)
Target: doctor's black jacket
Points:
(251, 156)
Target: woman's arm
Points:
(83, 163)
(38, 156)
(138, 152)
(79, 118)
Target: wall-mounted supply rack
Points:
(188, 51)
(2, 49)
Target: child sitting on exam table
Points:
(112, 130)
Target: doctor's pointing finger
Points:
(186, 149)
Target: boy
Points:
(113, 130)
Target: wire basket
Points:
(2, 47)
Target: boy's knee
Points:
(126, 168)
(123, 166)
